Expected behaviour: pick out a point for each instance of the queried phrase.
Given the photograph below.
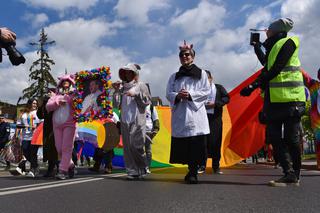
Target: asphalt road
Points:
(242, 188)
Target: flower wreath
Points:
(103, 100)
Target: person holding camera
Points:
(7, 35)
(284, 97)
(8, 42)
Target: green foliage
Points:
(306, 123)
(40, 76)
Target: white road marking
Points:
(114, 175)
(54, 184)
(58, 184)
(42, 184)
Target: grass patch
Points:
(309, 157)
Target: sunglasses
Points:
(184, 55)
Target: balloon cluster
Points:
(103, 74)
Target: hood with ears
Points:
(68, 77)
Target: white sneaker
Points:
(148, 171)
(19, 170)
(31, 174)
(61, 176)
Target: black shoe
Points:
(132, 177)
(217, 171)
(191, 179)
(49, 174)
(33, 173)
(201, 170)
(71, 171)
(94, 169)
(288, 179)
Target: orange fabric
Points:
(38, 136)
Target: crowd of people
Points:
(196, 120)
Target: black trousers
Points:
(214, 140)
(30, 152)
(288, 147)
(100, 155)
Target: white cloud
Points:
(137, 11)
(37, 20)
(306, 19)
(200, 20)
(78, 47)
(61, 5)
(15, 78)
(157, 71)
(80, 35)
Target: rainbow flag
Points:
(243, 135)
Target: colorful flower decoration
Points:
(103, 100)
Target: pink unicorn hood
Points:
(68, 77)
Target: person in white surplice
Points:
(187, 92)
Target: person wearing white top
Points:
(28, 123)
(90, 101)
(187, 91)
(217, 99)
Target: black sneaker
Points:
(71, 171)
(33, 173)
(288, 179)
(132, 177)
(201, 170)
(217, 172)
(191, 179)
(49, 174)
(94, 169)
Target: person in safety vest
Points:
(284, 97)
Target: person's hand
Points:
(62, 102)
(7, 35)
(51, 94)
(183, 94)
(210, 105)
(246, 91)
(130, 93)
(256, 44)
(116, 85)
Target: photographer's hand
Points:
(247, 91)
(7, 35)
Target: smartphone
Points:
(255, 37)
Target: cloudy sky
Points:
(92, 33)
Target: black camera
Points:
(15, 56)
(255, 37)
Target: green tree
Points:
(306, 123)
(40, 76)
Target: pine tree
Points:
(40, 76)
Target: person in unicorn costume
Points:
(314, 88)
(64, 126)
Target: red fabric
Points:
(248, 135)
